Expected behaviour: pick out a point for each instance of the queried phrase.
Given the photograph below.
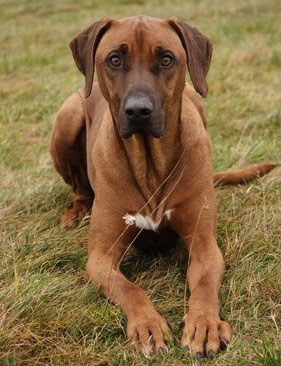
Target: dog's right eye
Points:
(115, 61)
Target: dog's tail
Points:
(242, 175)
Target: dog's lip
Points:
(157, 133)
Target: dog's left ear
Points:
(198, 49)
(84, 47)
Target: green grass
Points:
(49, 315)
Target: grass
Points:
(49, 315)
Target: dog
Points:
(135, 149)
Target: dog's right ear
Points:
(84, 47)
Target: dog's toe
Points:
(204, 335)
(150, 335)
(73, 216)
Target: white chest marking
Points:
(145, 222)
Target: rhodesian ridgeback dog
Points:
(134, 147)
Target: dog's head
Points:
(141, 64)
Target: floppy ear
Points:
(198, 49)
(84, 47)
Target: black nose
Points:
(138, 108)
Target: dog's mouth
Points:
(142, 130)
(154, 127)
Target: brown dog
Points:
(137, 142)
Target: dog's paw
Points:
(73, 216)
(205, 335)
(149, 334)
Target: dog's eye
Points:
(166, 61)
(115, 61)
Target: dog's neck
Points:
(152, 160)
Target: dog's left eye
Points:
(115, 61)
(166, 61)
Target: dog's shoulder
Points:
(190, 95)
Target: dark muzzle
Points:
(138, 116)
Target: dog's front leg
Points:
(204, 332)
(146, 328)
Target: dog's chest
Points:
(146, 222)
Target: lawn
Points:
(49, 314)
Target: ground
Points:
(49, 315)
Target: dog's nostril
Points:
(129, 112)
(142, 112)
(145, 112)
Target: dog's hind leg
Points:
(68, 150)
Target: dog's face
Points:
(141, 63)
(141, 70)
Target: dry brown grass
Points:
(49, 315)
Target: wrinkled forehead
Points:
(142, 34)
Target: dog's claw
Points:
(169, 340)
(163, 349)
(211, 354)
(198, 355)
(148, 352)
(223, 344)
(169, 325)
(181, 324)
(169, 344)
